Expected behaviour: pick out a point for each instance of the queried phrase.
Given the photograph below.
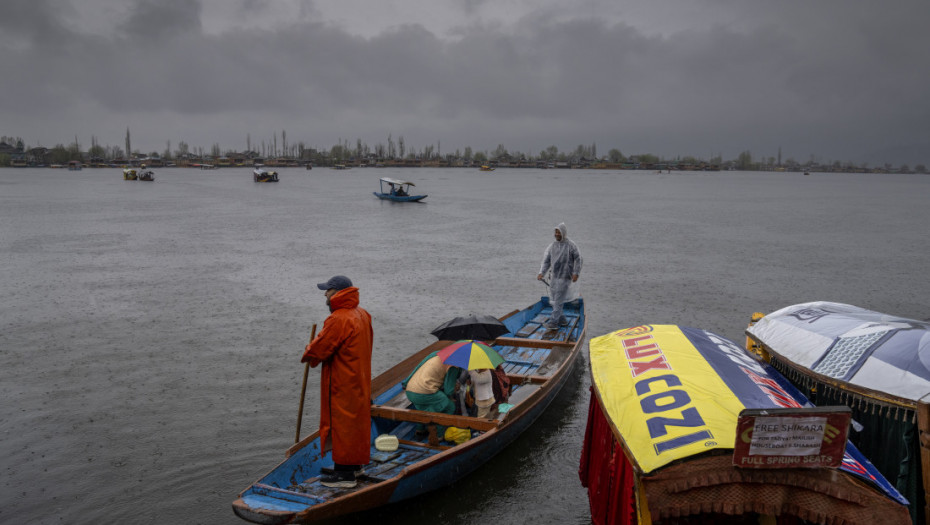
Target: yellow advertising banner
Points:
(662, 395)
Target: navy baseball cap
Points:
(339, 282)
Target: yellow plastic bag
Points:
(457, 435)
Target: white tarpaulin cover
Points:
(847, 343)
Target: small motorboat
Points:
(397, 190)
(486, 168)
(263, 175)
(130, 174)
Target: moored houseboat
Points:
(876, 364)
(666, 442)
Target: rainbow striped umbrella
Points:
(470, 355)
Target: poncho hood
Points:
(346, 298)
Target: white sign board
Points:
(774, 436)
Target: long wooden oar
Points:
(303, 390)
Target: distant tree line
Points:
(398, 149)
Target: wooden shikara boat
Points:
(397, 191)
(874, 363)
(538, 363)
(129, 174)
(663, 435)
(147, 175)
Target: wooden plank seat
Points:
(419, 416)
(522, 342)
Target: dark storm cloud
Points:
(835, 79)
(161, 19)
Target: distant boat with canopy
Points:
(397, 190)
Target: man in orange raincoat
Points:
(343, 346)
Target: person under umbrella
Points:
(479, 360)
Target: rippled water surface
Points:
(150, 332)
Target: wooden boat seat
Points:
(419, 416)
(523, 342)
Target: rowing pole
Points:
(303, 390)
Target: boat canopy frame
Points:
(394, 182)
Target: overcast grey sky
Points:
(837, 79)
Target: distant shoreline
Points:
(600, 166)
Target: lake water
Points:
(150, 333)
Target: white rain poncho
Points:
(564, 260)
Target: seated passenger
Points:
(431, 386)
(482, 381)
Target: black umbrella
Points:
(474, 326)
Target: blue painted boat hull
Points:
(395, 198)
(542, 359)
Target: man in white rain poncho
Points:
(564, 260)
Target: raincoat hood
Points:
(346, 298)
(564, 229)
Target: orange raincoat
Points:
(344, 347)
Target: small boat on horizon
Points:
(486, 168)
(537, 362)
(397, 190)
(262, 175)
